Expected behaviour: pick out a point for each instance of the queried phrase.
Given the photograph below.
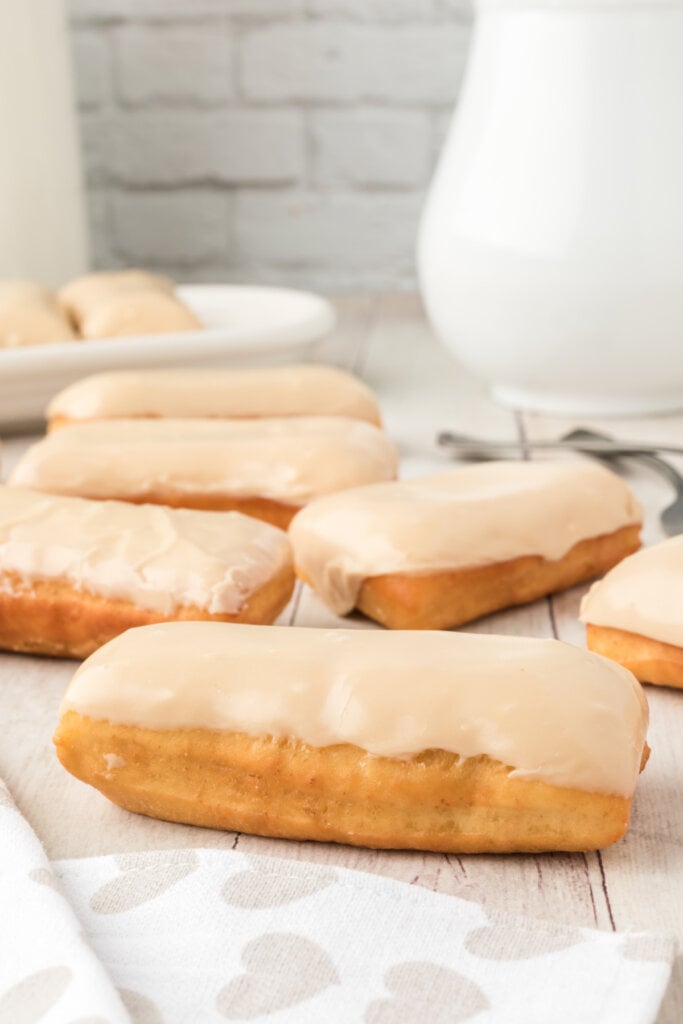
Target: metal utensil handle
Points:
(597, 447)
(651, 459)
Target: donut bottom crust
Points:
(651, 661)
(287, 789)
(442, 600)
(57, 422)
(267, 510)
(51, 617)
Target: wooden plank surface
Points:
(637, 884)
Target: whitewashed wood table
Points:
(637, 884)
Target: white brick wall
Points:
(270, 140)
(167, 148)
(333, 61)
(370, 148)
(176, 229)
(181, 66)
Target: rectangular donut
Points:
(84, 294)
(431, 741)
(438, 551)
(76, 573)
(635, 614)
(119, 303)
(267, 468)
(30, 315)
(267, 391)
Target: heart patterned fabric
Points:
(211, 936)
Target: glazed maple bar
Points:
(431, 741)
(113, 303)
(30, 315)
(267, 468)
(635, 614)
(438, 551)
(171, 394)
(76, 573)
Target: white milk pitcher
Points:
(551, 247)
(42, 216)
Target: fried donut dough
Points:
(75, 573)
(30, 315)
(268, 391)
(635, 614)
(136, 313)
(85, 293)
(111, 304)
(268, 468)
(439, 551)
(431, 741)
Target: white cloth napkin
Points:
(204, 936)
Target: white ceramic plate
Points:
(243, 325)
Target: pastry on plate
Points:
(123, 303)
(268, 468)
(75, 573)
(88, 291)
(31, 315)
(430, 741)
(635, 614)
(269, 391)
(139, 313)
(441, 550)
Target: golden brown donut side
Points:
(277, 513)
(51, 617)
(57, 422)
(266, 509)
(651, 661)
(288, 789)
(441, 600)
